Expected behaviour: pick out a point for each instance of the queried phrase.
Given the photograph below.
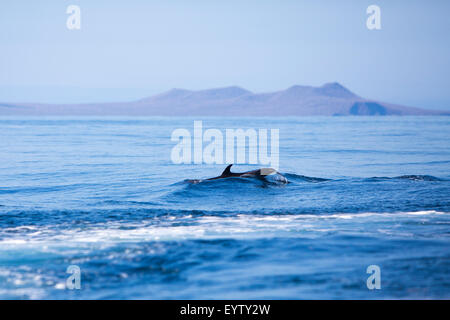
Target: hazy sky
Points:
(130, 49)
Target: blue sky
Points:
(130, 49)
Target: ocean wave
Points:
(292, 177)
(302, 178)
(419, 178)
(240, 226)
(412, 177)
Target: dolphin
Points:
(258, 173)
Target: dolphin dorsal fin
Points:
(227, 171)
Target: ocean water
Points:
(104, 195)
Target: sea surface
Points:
(103, 194)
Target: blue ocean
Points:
(103, 194)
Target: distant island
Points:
(331, 99)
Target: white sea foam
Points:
(29, 292)
(213, 227)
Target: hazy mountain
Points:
(331, 99)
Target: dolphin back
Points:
(227, 171)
